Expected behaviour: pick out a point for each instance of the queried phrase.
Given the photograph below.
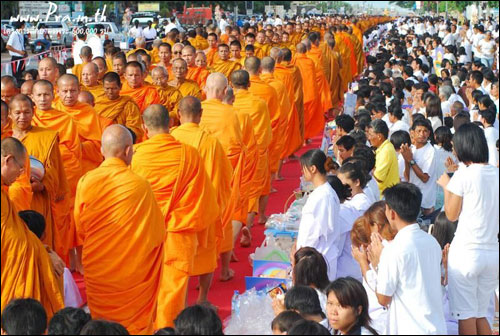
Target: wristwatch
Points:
(412, 162)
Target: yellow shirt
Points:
(386, 166)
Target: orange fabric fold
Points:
(123, 111)
(143, 96)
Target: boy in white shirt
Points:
(420, 164)
(409, 271)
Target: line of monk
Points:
(156, 161)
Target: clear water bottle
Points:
(235, 304)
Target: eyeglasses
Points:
(177, 52)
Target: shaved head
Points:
(27, 87)
(276, 54)
(117, 143)
(301, 48)
(229, 97)
(268, 64)
(216, 86)
(287, 54)
(156, 118)
(13, 156)
(67, 78)
(86, 98)
(48, 69)
(240, 79)
(190, 110)
(90, 74)
(86, 52)
(20, 98)
(9, 88)
(140, 42)
(252, 65)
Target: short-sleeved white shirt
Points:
(372, 191)
(347, 265)
(149, 34)
(410, 272)
(491, 134)
(477, 226)
(16, 41)
(95, 43)
(425, 158)
(399, 125)
(487, 48)
(361, 202)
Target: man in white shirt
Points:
(149, 32)
(487, 118)
(223, 23)
(409, 271)
(420, 164)
(81, 34)
(448, 38)
(17, 51)
(136, 31)
(95, 42)
(445, 93)
(478, 36)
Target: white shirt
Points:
(449, 39)
(477, 226)
(441, 156)
(446, 107)
(372, 191)
(169, 27)
(222, 25)
(401, 166)
(149, 34)
(475, 42)
(136, 32)
(399, 125)
(360, 202)
(77, 48)
(95, 43)
(425, 158)
(487, 48)
(16, 41)
(491, 138)
(346, 264)
(435, 122)
(410, 272)
(319, 227)
(387, 121)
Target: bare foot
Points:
(234, 258)
(227, 276)
(273, 190)
(246, 237)
(262, 220)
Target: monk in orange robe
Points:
(211, 51)
(221, 121)
(122, 232)
(187, 87)
(235, 49)
(165, 54)
(224, 65)
(345, 71)
(332, 64)
(86, 56)
(249, 167)
(85, 118)
(118, 109)
(70, 148)
(119, 64)
(102, 67)
(169, 96)
(268, 64)
(198, 74)
(219, 172)
(316, 56)
(314, 120)
(43, 144)
(198, 41)
(298, 87)
(261, 49)
(27, 270)
(6, 121)
(291, 78)
(352, 53)
(140, 44)
(143, 94)
(90, 81)
(358, 50)
(8, 88)
(187, 200)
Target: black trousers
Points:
(18, 67)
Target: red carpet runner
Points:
(221, 292)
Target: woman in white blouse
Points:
(319, 226)
(352, 173)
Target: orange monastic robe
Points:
(188, 203)
(90, 132)
(27, 270)
(199, 75)
(331, 66)
(316, 56)
(43, 144)
(219, 172)
(256, 108)
(298, 93)
(345, 71)
(352, 55)
(77, 71)
(285, 103)
(226, 67)
(198, 42)
(265, 91)
(123, 111)
(314, 120)
(143, 96)
(221, 121)
(170, 98)
(188, 88)
(122, 231)
(212, 56)
(292, 131)
(97, 91)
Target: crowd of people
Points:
(140, 169)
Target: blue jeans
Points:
(487, 62)
(46, 43)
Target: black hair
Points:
(477, 76)
(460, 119)
(102, 327)
(304, 300)
(24, 317)
(365, 153)
(343, 190)
(381, 107)
(380, 127)
(405, 199)
(444, 229)
(443, 137)
(310, 268)
(314, 157)
(346, 122)
(421, 122)
(488, 115)
(308, 328)
(470, 144)
(285, 320)
(34, 221)
(448, 122)
(396, 111)
(358, 135)
(364, 119)
(400, 137)
(433, 108)
(355, 171)
(351, 293)
(346, 141)
(165, 331)
(68, 321)
(198, 320)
